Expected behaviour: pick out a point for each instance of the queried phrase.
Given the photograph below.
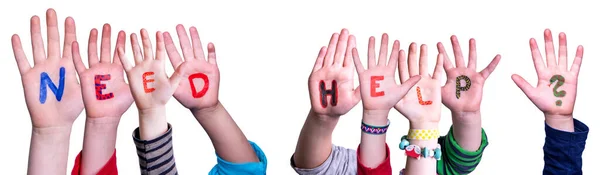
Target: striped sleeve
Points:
(456, 160)
(155, 156)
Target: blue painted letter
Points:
(46, 81)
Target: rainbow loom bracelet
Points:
(417, 152)
(376, 130)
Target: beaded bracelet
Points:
(417, 152)
(376, 130)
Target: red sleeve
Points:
(110, 168)
(385, 168)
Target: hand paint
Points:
(560, 80)
(99, 87)
(420, 97)
(328, 92)
(146, 81)
(202, 92)
(462, 88)
(375, 85)
(46, 81)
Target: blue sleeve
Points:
(563, 150)
(224, 167)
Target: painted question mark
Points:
(560, 80)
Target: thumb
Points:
(177, 76)
(357, 96)
(402, 89)
(523, 85)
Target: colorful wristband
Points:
(423, 134)
(376, 130)
(417, 152)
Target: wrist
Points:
(560, 122)
(206, 111)
(51, 131)
(375, 117)
(424, 125)
(153, 122)
(322, 118)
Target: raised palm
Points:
(334, 64)
(105, 93)
(422, 103)
(463, 90)
(61, 105)
(379, 90)
(201, 89)
(554, 97)
(148, 80)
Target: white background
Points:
(266, 50)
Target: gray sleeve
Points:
(341, 161)
(155, 156)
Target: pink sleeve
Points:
(385, 168)
(110, 168)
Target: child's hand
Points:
(379, 90)
(557, 85)
(422, 104)
(105, 92)
(463, 90)
(201, 90)
(148, 81)
(331, 83)
(52, 92)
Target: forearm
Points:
(153, 122)
(314, 143)
(229, 141)
(560, 122)
(99, 142)
(422, 166)
(467, 129)
(49, 150)
(372, 147)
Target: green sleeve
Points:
(456, 160)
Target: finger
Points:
(348, 58)
(402, 66)
(577, 61)
(93, 48)
(393, 62)
(105, 44)
(52, 33)
(550, 57)
(359, 67)
(562, 51)
(160, 46)
(538, 62)
(120, 43)
(371, 62)
(439, 67)
(329, 57)
(356, 98)
(70, 37)
(20, 56)
(383, 50)
(184, 42)
(423, 69)
(319, 62)
(340, 51)
(472, 55)
(79, 66)
(523, 85)
(485, 73)
(458, 56)
(197, 44)
(37, 43)
(137, 50)
(177, 76)
(413, 64)
(172, 50)
(212, 53)
(401, 90)
(147, 44)
(447, 63)
(126, 65)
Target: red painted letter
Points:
(375, 85)
(421, 97)
(146, 81)
(100, 87)
(202, 92)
